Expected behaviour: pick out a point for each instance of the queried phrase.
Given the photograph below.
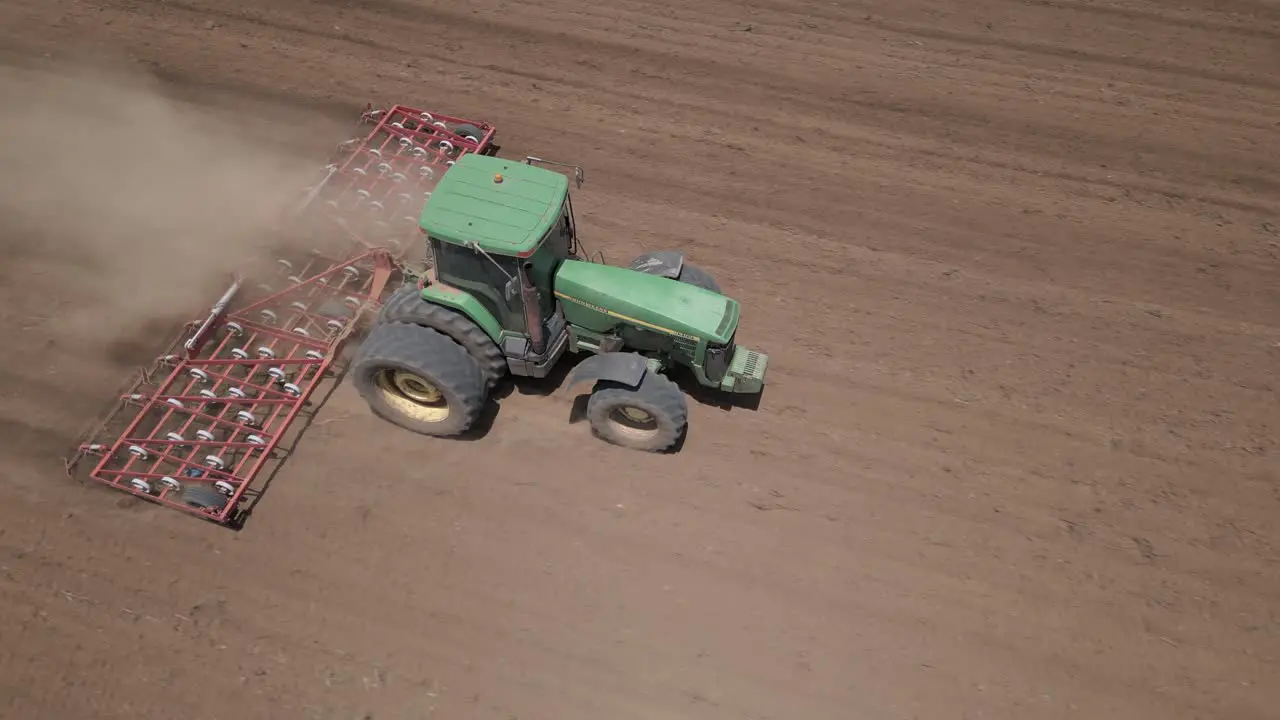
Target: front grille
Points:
(717, 362)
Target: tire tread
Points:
(423, 350)
(659, 392)
(407, 306)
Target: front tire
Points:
(650, 418)
(418, 379)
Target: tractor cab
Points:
(499, 230)
(490, 218)
(509, 293)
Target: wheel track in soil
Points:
(1029, 469)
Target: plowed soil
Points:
(1016, 266)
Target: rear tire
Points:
(418, 379)
(696, 276)
(407, 306)
(650, 418)
(204, 498)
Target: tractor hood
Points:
(649, 301)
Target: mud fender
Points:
(621, 367)
(663, 263)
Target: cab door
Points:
(491, 279)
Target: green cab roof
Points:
(506, 216)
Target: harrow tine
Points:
(223, 410)
(193, 430)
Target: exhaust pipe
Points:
(532, 313)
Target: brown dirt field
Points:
(1015, 263)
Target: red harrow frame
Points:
(196, 428)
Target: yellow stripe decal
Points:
(620, 316)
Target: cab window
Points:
(486, 279)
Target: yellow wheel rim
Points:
(635, 414)
(413, 395)
(635, 422)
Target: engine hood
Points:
(650, 301)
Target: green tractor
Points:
(510, 293)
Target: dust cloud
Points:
(145, 203)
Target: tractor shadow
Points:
(111, 421)
(289, 444)
(710, 397)
(559, 375)
(307, 418)
(537, 387)
(488, 414)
